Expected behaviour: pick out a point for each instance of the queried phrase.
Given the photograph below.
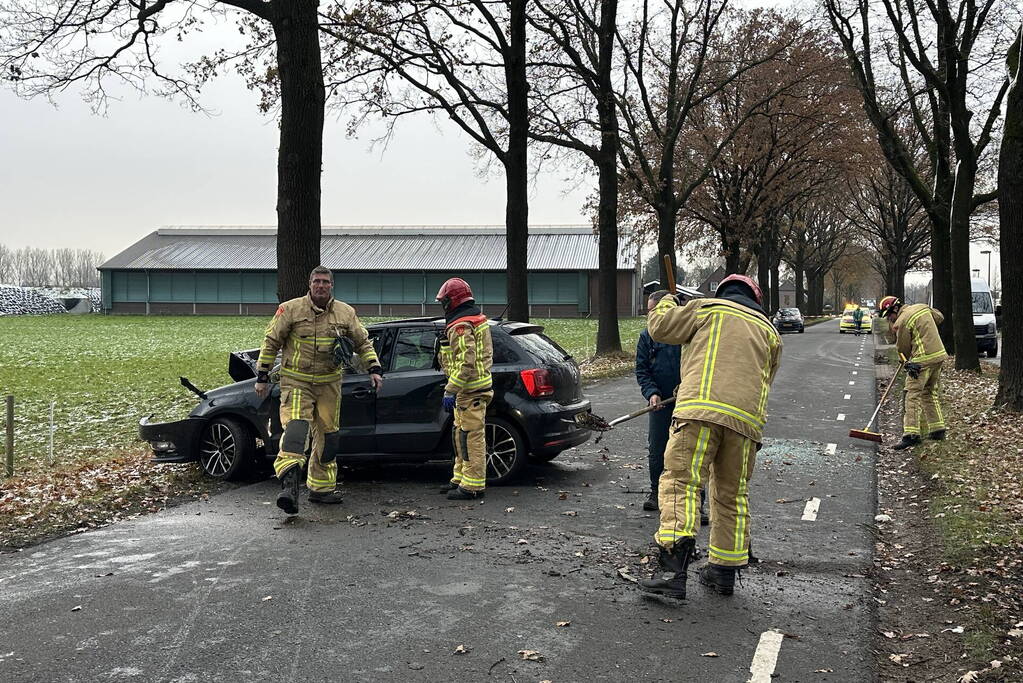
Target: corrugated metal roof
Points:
(366, 248)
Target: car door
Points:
(409, 414)
(358, 403)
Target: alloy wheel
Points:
(501, 451)
(218, 450)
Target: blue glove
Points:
(449, 403)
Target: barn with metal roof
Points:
(381, 270)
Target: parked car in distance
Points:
(985, 324)
(537, 393)
(788, 320)
(848, 322)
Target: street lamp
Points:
(988, 252)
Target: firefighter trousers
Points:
(470, 440)
(319, 406)
(922, 401)
(697, 451)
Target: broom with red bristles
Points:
(865, 433)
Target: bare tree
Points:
(465, 59)
(574, 71)
(933, 55)
(893, 224)
(48, 46)
(36, 267)
(1010, 207)
(7, 271)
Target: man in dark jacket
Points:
(657, 371)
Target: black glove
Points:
(342, 351)
(913, 369)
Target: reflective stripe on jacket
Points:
(730, 361)
(305, 334)
(467, 354)
(916, 334)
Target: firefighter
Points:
(915, 328)
(732, 356)
(466, 354)
(316, 335)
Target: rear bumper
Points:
(172, 441)
(555, 429)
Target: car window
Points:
(359, 366)
(542, 347)
(414, 349)
(505, 350)
(982, 303)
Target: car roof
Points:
(438, 321)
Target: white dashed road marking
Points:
(810, 511)
(847, 397)
(766, 657)
(856, 372)
(851, 382)
(830, 450)
(841, 416)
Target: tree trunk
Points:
(300, 157)
(1010, 214)
(608, 337)
(800, 292)
(775, 286)
(962, 295)
(516, 169)
(666, 242)
(764, 273)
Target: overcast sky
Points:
(70, 178)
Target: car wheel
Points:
(226, 448)
(506, 451)
(802, 330)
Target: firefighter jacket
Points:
(467, 353)
(732, 356)
(305, 335)
(916, 334)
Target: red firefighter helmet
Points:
(749, 282)
(888, 305)
(453, 293)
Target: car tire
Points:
(992, 352)
(506, 451)
(226, 449)
(802, 330)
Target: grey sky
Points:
(73, 179)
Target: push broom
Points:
(865, 433)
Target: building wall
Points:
(551, 293)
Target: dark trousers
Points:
(656, 440)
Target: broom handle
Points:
(885, 394)
(669, 272)
(641, 411)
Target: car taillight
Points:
(537, 382)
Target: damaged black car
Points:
(537, 394)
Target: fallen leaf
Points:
(969, 677)
(76, 608)
(570, 513)
(823, 671)
(461, 650)
(710, 654)
(957, 629)
(531, 655)
(522, 541)
(269, 597)
(509, 509)
(562, 624)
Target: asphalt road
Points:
(391, 586)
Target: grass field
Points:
(103, 373)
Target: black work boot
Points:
(650, 504)
(676, 565)
(447, 488)
(458, 493)
(326, 497)
(287, 499)
(908, 441)
(720, 578)
(937, 435)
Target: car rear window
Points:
(542, 347)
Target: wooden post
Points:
(10, 436)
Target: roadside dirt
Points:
(938, 620)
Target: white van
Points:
(984, 317)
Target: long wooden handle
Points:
(641, 411)
(669, 272)
(885, 394)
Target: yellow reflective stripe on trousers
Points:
(296, 404)
(692, 489)
(472, 481)
(283, 463)
(734, 556)
(724, 409)
(742, 500)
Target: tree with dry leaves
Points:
(929, 61)
(48, 46)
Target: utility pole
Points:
(988, 252)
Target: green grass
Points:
(104, 373)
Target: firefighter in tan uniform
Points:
(316, 335)
(732, 356)
(466, 355)
(916, 336)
